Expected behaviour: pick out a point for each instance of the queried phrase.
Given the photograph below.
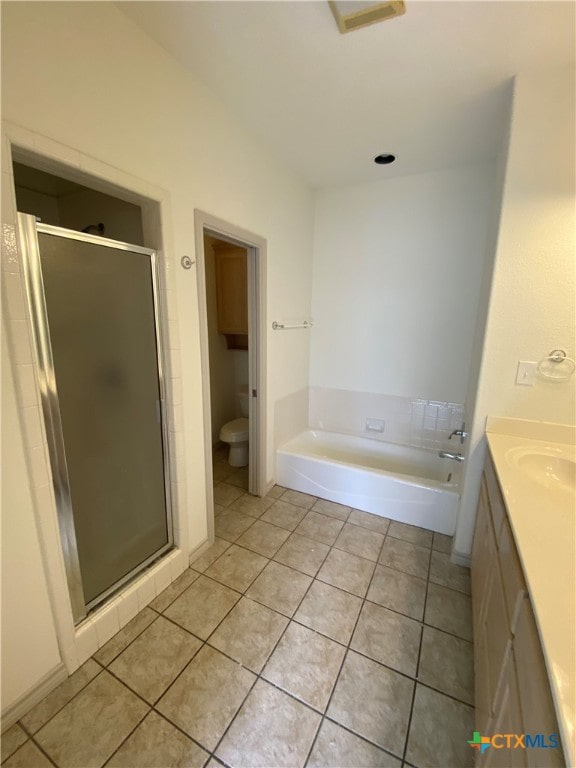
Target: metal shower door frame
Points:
(28, 229)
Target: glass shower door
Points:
(95, 317)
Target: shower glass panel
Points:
(102, 399)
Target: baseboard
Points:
(459, 558)
(43, 687)
(199, 550)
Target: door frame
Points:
(206, 224)
(29, 229)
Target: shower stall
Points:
(95, 320)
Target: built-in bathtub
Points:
(412, 485)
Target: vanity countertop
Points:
(534, 463)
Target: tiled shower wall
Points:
(394, 419)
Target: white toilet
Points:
(235, 433)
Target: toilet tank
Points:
(244, 401)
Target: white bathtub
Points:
(402, 483)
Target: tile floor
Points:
(310, 634)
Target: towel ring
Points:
(550, 367)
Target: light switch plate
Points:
(526, 373)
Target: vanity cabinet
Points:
(231, 263)
(512, 692)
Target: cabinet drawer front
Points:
(512, 576)
(536, 703)
(497, 631)
(507, 720)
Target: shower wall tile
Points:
(13, 296)
(175, 366)
(26, 384)
(107, 622)
(407, 421)
(432, 421)
(47, 504)
(21, 343)
(168, 304)
(167, 280)
(173, 391)
(175, 417)
(6, 153)
(86, 641)
(178, 492)
(8, 202)
(128, 606)
(162, 574)
(33, 425)
(178, 563)
(146, 590)
(173, 335)
(38, 465)
(10, 260)
(176, 447)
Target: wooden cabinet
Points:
(512, 691)
(507, 718)
(232, 294)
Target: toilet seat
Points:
(236, 431)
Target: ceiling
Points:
(431, 87)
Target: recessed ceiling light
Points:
(384, 159)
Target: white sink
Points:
(550, 467)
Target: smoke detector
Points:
(353, 14)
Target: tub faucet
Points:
(448, 455)
(461, 433)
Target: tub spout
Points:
(449, 455)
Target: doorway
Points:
(231, 272)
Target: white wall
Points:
(397, 269)
(29, 646)
(82, 84)
(95, 82)
(532, 305)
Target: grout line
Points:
(129, 734)
(348, 649)
(362, 738)
(32, 734)
(179, 594)
(290, 619)
(105, 665)
(409, 722)
(42, 750)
